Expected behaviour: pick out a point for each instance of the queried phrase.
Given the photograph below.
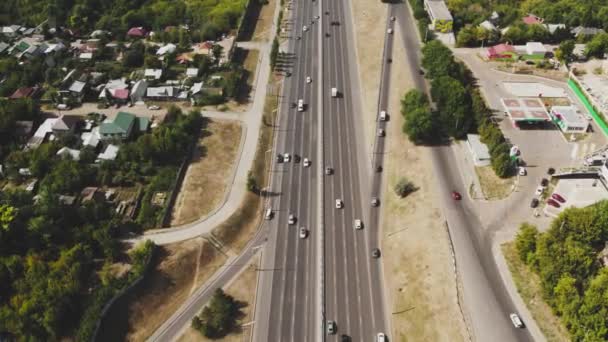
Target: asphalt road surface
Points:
(285, 305)
(486, 301)
(353, 279)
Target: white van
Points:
(268, 214)
(300, 105)
(382, 116)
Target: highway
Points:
(487, 303)
(285, 305)
(353, 279)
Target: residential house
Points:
(53, 48)
(98, 33)
(161, 93)
(137, 32)
(153, 74)
(121, 96)
(65, 124)
(42, 133)
(76, 91)
(536, 49)
(91, 193)
(85, 56)
(192, 72)
(66, 199)
(109, 89)
(167, 49)
(440, 16)
(138, 91)
(108, 154)
(3, 47)
(554, 27)
(486, 24)
(67, 152)
(500, 51)
(531, 19)
(92, 138)
(586, 31)
(24, 92)
(10, 31)
(121, 127)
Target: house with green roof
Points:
(122, 126)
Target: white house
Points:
(153, 74)
(479, 150)
(169, 48)
(110, 153)
(536, 49)
(192, 72)
(488, 25)
(68, 152)
(568, 119)
(139, 90)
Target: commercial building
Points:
(441, 18)
(568, 119)
(479, 150)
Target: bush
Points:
(404, 187)
(219, 317)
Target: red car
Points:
(552, 202)
(558, 198)
(456, 195)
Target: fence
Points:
(177, 185)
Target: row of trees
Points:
(460, 109)
(207, 19)
(567, 259)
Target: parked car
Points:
(154, 107)
(456, 196)
(558, 197)
(550, 171)
(544, 182)
(534, 203)
(522, 171)
(539, 190)
(553, 203)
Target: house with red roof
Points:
(531, 19)
(121, 95)
(500, 51)
(137, 32)
(23, 93)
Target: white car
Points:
(292, 219)
(381, 337)
(381, 132)
(339, 204)
(389, 31)
(154, 108)
(306, 162)
(305, 28)
(539, 190)
(308, 79)
(358, 224)
(522, 171)
(303, 233)
(516, 320)
(286, 157)
(393, 19)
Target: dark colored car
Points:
(544, 182)
(279, 158)
(456, 195)
(389, 60)
(335, 23)
(293, 105)
(375, 202)
(375, 253)
(326, 34)
(550, 171)
(345, 338)
(558, 198)
(552, 202)
(534, 203)
(329, 171)
(297, 158)
(378, 168)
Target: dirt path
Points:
(417, 259)
(209, 173)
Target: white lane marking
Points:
(574, 153)
(585, 149)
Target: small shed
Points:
(479, 150)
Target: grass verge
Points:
(492, 186)
(207, 176)
(247, 217)
(529, 288)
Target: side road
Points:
(252, 119)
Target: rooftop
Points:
(122, 124)
(439, 10)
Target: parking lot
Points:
(576, 193)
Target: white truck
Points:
(300, 105)
(334, 92)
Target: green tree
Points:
(412, 100)
(252, 184)
(219, 317)
(525, 242)
(404, 187)
(7, 215)
(502, 165)
(565, 51)
(421, 126)
(274, 52)
(437, 59)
